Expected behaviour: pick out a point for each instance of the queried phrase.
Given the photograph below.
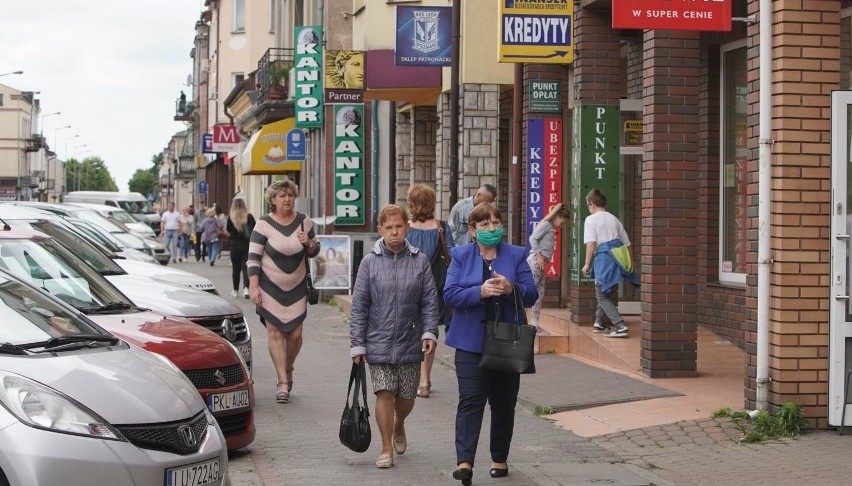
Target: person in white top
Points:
(600, 227)
(171, 224)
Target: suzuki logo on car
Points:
(188, 435)
(220, 377)
(229, 330)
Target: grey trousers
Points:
(608, 306)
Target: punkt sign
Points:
(672, 14)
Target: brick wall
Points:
(806, 68)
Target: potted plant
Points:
(279, 75)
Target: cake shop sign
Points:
(708, 15)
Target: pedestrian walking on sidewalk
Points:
(542, 244)
(187, 230)
(240, 225)
(211, 229)
(200, 248)
(482, 275)
(280, 245)
(425, 232)
(393, 323)
(608, 246)
(171, 225)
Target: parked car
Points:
(104, 238)
(125, 238)
(203, 308)
(78, 406)
(214, 366)
(132, 202)
(121, 218)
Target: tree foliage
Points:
(144, 181)
(89, 174)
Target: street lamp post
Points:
(56, 135)
(13, 72)
(41, 122)
(79, 163)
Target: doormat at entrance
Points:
(563, 383)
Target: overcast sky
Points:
(113, 68)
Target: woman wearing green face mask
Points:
(482, 274)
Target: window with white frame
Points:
(239, 15)
(733, 210)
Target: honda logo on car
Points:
(308, 65)
(188, 435)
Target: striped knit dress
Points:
(278, 259)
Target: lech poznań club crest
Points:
(425, 31)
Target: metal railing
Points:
(273, 73)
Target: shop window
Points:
(733, 211)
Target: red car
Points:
(212, 364)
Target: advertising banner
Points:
(344, 76)
(545, 96)
(423, 36)
(332, 268)
(308, 65)
(709, 15)
(595, 164)
(536, 31)
(349, 154)
(544, 178)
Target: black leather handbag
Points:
(509, 346)
(313, 293)
(355, 422)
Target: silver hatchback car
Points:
(78, 406)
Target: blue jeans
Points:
(171, 242)
(184, 246)
(212, 250)
(476, 388)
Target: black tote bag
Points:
(509, 346)
(355, 422)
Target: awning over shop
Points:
(274, 149)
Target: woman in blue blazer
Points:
(482, 273)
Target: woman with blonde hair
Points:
(542, 243)
(427, 233)
(281, 243)
(240, 225)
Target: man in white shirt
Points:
(171, 224)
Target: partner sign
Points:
(536, 31)
(708, 15)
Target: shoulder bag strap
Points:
(362, 382)
(443, 241)
(353, 375)
(307, 266)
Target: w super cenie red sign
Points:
(672, 14)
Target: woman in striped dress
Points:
(280, 244)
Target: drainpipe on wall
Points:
(374, 165)
(455, 64)
(517, 141)
(763, 200)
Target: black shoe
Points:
(464, 475)
(497, 472)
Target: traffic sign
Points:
(296, 144)
(225, 138)
(206, 143)
(202, 187)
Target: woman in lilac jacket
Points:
(482, 274)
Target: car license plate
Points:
(194, 474)
(245, 352)
(218, 402)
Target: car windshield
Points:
(49, 266)
(95, 218)
(97, 257)
(30, 316)
(130, 241)
(122, 216)
(97, 234)
(137, 207)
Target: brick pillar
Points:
(806, 69)
(597, 79)
(671, 68)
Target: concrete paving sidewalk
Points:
(297, 442)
